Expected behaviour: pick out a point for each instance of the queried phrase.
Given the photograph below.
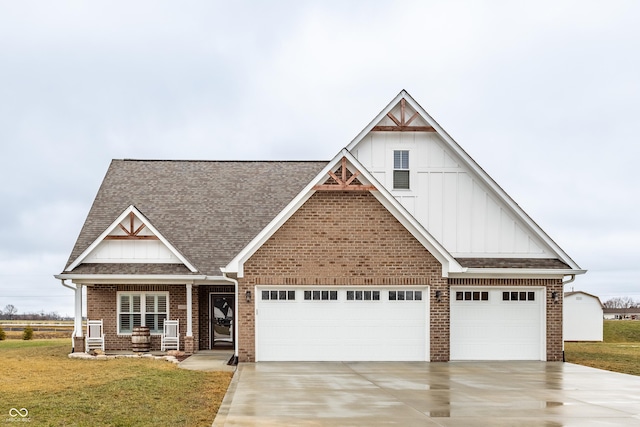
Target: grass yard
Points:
(619, 352)
(38, 375)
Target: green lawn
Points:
(619, 352)
(38, 375)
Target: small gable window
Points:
(401, 169)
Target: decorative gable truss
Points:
(415, 123)
(343, 180)
(131, 239)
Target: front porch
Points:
(205, 314)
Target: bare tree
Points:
(620, 302)
(10, 310)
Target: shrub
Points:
(3, 335)
(27, 334)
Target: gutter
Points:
(235, 315)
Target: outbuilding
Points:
(582, 317)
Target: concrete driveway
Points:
(429, 394)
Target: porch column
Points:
(78, 311)
(188, 339)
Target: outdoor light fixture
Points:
(248, 295)
(554, 295)
(438, 295)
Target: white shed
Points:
(582, 317)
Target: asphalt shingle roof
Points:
(208, 210)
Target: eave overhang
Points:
(117, 279)
(519, 273)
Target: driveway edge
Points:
(223, 411)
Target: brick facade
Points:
(341, 238)
(102, 304)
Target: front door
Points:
(222, 320)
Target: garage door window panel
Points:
(278, 295)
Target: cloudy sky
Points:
(544, 95)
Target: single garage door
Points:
(497, 324)
(342, 324)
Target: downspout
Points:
(77, 328)
(573, 277)
(235, 317)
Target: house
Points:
(399, 248)
(582, 317)
(622, 313)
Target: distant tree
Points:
(620, 302)
(9, 311)
(27, 334)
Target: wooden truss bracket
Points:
(342, 183)
(402, 125)
(131, 233)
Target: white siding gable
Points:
(146, 249)
(447, 196)
(131, 238)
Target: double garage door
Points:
(342, 324)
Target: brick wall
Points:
(554, 308)
(342, 238)
(102, 304)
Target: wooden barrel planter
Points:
(141, 339)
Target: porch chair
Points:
(170, 336)
(95, 335)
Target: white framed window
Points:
(401, 169)
(149, 309)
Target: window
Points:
(401, 170)
(363, 295)
(405, 295)
(275, 295)
(518, 296)
(472, 296)
(320, 295)
(142, 309)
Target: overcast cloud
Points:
(543, 95)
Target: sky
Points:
(544, 95)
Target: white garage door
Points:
(497, 324)
(342, 324)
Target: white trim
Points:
(189, 291)
(449, 264)
(468, 161)
(160, 279)
(147, 224)
(523, 273)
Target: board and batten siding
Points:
(448, 198)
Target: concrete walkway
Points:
(429, 394)
(208, 360)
